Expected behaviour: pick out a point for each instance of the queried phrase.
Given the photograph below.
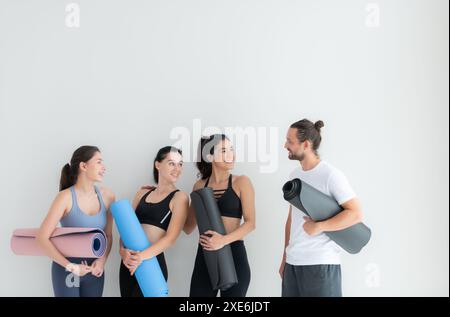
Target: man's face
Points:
(296, 149)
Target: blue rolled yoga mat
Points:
(149, 275)
(318, 207)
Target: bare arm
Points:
(350, 216)
(109, 223)
(57, 210)
(211, 240)
(287, 232)
(248, 211)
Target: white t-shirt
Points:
(304, 249)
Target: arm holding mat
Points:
(247, 197)
(69, 241)
(219, 263)
(149, 275)
(179, 207)
(319, 207)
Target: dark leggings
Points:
(201, 284)
(66, 284)
(129, 286)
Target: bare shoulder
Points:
(181, 200)
(242, 181)
(140, 193)
(108, 194)
(63, 201)
(199, 184)
(64, 196)
(181, 197)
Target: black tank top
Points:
(157, 214)
(228, 201)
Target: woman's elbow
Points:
(170, 242)
(188, 229)
(41, 239)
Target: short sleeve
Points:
(340, 188)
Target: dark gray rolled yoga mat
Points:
(220, 264)
(318, 207)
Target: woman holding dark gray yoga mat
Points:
(235, 199)
(80, 203)
(162, 212)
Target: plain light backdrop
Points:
(133, 71)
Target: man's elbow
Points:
(358, 216)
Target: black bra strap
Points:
(230, 180)
(148, 193)
(144, 197)
(173, 193)
(170, 196)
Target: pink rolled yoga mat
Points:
(70, 241)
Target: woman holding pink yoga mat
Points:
(80, 203)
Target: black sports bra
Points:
(157, 214)
(228, 201)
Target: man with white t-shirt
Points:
(311, 261)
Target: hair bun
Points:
(318, 125)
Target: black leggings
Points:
(129, 286)
(201, 284)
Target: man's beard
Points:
(296, 157)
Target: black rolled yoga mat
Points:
(318, 207)
(220, 264)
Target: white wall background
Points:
(134, 71)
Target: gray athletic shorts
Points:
(312, 281)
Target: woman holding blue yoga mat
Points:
(162, 212)
(235, 200)
(80, 203)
